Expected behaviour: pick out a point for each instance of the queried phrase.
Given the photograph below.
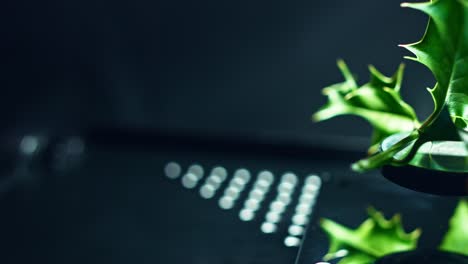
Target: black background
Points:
(223, 67)
(220, 66)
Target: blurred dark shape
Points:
(424, 256)
(241, 66)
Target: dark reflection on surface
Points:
(424, 256)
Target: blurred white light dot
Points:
(299, 219)
(214, 180)
(304, 209)
(242, 174)
(310, 188)
(232, 189)
(172, 170)
(220, 172)
(306, 198)
(261, 188)
(284, 198)
(268, 227)
(291, 241)
(290, 178)
(189, 180)
(277, 206)
(256, 195)
(232, 192)
(296, 230)
(29, 144)
(273, 217)
(309, 204)
(262, 183)
(226, 202)
(236, 181)
(197, 170)
(285, 187)
(246, 215)
(267, 176)
(207, 191)
(313, 179)
(252, 204)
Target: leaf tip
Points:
(357, 167)
(410, 47)
(372, 212)
(342, 65)
(418, 6)
(416, 233)
(396, 219)
(411, 58)
(404, 4)
(372, 68)
(324, 223)
(315, 118)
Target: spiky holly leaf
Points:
(374, 238)
(456, 239)
(444, 50)
(378, 101)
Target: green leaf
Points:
(357, 258)
(444, 50)
(388, 155)
(456, 238)
(378, 101)
(374, 238)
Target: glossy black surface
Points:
(424, 256)
(428, 181)
(346, 199)
(116, 206)
(452, 181)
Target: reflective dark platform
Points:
(345, 201)
(141, 198)
(424, 256)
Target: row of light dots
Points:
(252, 204)
(303, 209)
